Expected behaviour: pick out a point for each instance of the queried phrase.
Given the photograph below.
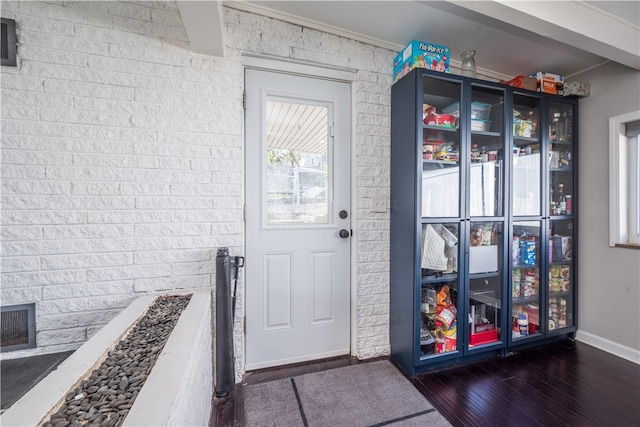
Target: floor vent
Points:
(18, 326)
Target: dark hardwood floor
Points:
(562, 384)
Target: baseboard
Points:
(616, 349)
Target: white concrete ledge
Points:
(178, 390)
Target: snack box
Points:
(549, 83)
(419, 54)
(528, 252)
(562, 250)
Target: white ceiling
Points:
(510, 37)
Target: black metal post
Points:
(224, 324)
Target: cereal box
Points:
(419, 54)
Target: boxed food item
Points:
(419, 54)
(523, 128)
(562, 248)
(549, 83)
(483, 259)
(523, 82)
(528, 252)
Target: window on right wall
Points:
(624, 180)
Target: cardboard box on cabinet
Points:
(419, 54)
(549, 83)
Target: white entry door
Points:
(297, 219)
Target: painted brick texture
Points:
(123, 165)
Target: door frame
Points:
(345, 75)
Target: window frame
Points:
(620, 174)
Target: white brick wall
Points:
(122, 160)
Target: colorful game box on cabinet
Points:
(419, 54)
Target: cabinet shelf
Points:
(441, 163)
(484, 275)
(565, 262)
(434, 279)
(440, 128)
(559, 294)
(525, 266)
(485, 133)
(525, 140)
(526, 300)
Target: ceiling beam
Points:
(204, 23)
(576, 23)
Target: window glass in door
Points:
(297, 163)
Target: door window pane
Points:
(297, 163)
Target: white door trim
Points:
(267, 63)
(280, 65)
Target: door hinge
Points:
(331, 130)
(244, 213)
(244, 325)
(244, 99)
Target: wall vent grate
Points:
(18, 327)
(8, 42)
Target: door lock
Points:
(343, 214)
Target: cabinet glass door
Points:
(527, 160)
(525, 279)
(560, 159)
(440, 149)
(486, 175)
(561, 283)
(439, 289)
(485, 282)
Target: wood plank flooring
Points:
(562, 384)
